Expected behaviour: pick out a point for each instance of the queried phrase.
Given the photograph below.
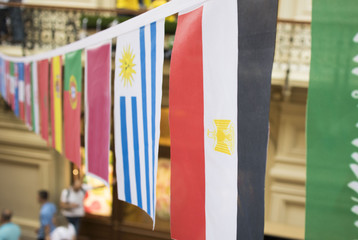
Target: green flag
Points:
(332, 122)
(72, 106)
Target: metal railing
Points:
(48, 27)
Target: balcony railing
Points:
(48, 27)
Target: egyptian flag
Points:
(72, 106)
(219, 107)
(43, 78)
(21, 86)
(56, 102)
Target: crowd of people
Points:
(55, 224)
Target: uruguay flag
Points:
(138, 94)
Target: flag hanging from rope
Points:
(8, 82)
(98, 110)
(257, 37)
(14, 76)
(72, 106)
(12, 84)
(332, 122)
(21, 86)
(28, 110)
(35, 99)
(56, 102)
(219, 103)
(2, 78)
(137, 108)
(43, 79)
(203, 125)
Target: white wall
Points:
(299, 10)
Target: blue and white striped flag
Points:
(137, 108)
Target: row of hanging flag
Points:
(217, 170)
(34, 92)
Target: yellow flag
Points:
(56, 103)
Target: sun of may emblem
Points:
(127, 66)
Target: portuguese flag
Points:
(72, 106)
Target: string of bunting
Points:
(33, 87)
(205, 106)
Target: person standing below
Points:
(63, 231)
(72, 202)
(47, 212)
(8, 230)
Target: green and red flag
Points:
(72, 106)
(332, 123)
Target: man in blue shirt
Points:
(8, 230)
(47, 211)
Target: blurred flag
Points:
(128, 4)
(98, 110)
(72, 106)
(12, 85)
(35, 99)
(43, 79)
(8, 82)
(21, 86)
(56, 102)
(219, 105)
(16, 91)
(3, 78)
(146, 3)
(28, 110)
(137, 108)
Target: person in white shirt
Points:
(63, 231)
(72, 202)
